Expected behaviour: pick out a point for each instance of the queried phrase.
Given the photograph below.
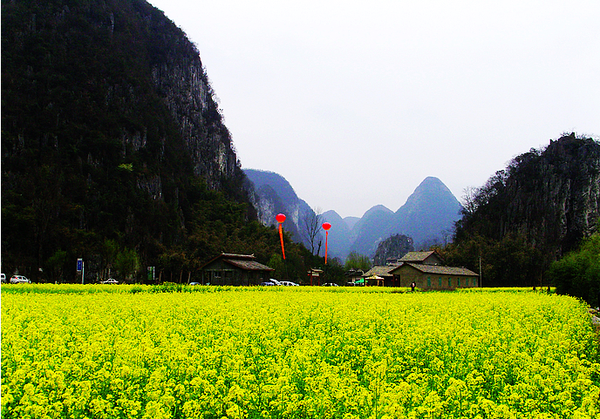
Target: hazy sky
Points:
(356, 102)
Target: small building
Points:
(434, 276)
(426, 258)
(354, 275)
(234, 269)
(381, 276)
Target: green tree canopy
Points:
(357, 261)
(578, 273)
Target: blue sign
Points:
(79, 265)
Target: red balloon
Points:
(280, 218)
(326, 226)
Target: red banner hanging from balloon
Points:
(280, 219)
(326, 227)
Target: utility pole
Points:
(480, 280)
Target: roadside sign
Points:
(79, 265)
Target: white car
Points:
(288, 284)
(110, 281)
(3, 278)
(19, 279)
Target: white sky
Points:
(356, 102)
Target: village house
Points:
(354, 277)
(434, 276)
(381, 276)
(234, 269)
(425, 269)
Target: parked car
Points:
(3, 278)
(19, 279)
(271, 282)
(288, 284)
(194, 283)
(109, 281)
(330, 284)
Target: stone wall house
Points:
(435, 276)
(234, 269)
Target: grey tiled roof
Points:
(380, 270)
(248, 265)
(442, 270)
(416, 256)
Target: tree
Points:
(276, 262)
(469, 200)
(56, 263)
(110, 250)
(311, 225)
(127, 263)
(578, 273)
(357, 261)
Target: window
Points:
(449, 282)
(440, 278)
(458, 282)
(428, 282)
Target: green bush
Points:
(578, 273)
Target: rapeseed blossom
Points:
(297, 353)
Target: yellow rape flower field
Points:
(295, 352)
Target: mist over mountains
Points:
(427, 216)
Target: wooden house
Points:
(234, 269)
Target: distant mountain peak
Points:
(378, 208)
(428, 213)
(431, 188)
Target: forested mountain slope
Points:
(112, 143)
(533, 212)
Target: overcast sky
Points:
(356, 102)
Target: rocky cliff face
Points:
(117, 67)
(270, 195)
(109, 131)
(183, 85)
(549, 197)
(394, 247)
(555, 193)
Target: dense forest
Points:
(114, 149)
(538, 209)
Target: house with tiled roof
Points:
(426, 258)
(381, 275)
(434, 276)
(234, 269)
